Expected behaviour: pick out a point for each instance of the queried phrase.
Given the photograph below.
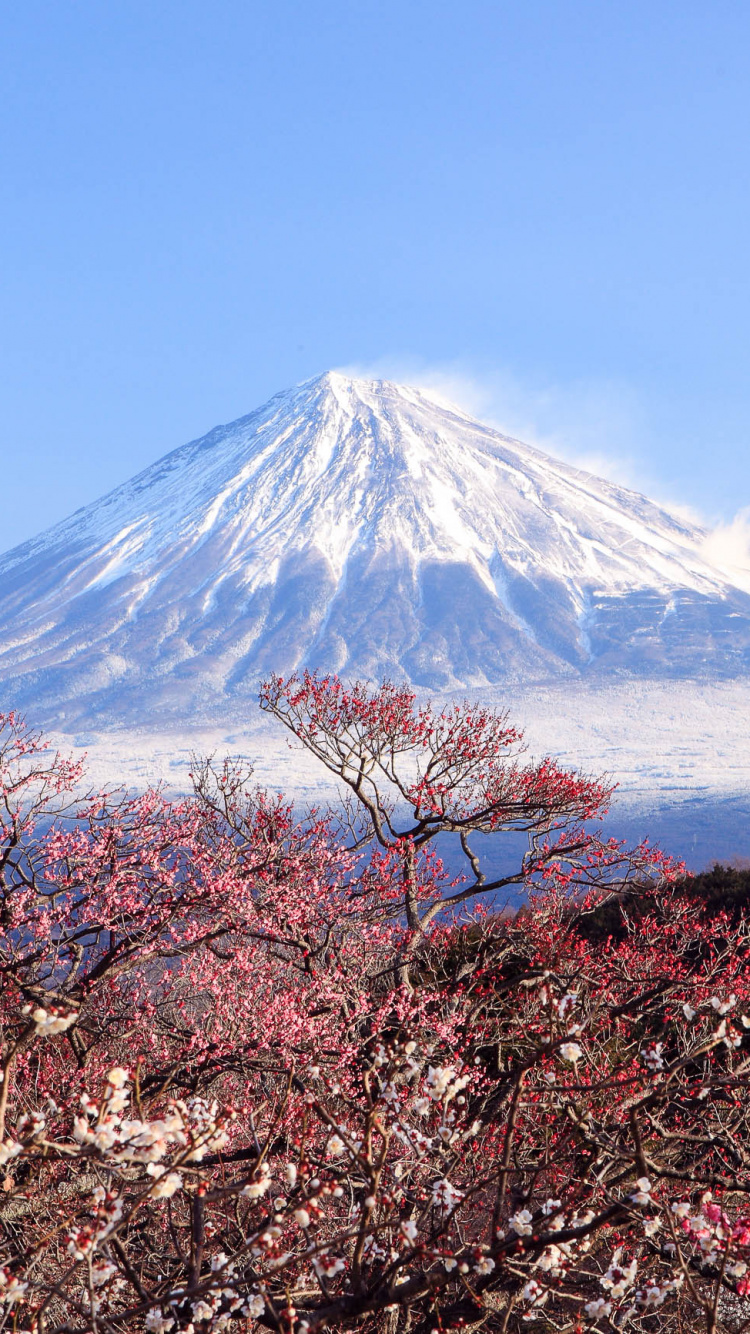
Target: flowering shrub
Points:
(259, 1071)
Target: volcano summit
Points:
(360, 526)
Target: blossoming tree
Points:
(264, 1071)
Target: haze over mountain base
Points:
(678, 751)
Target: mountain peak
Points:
(362, 392)
(359, 525)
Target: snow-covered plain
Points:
(679, 753)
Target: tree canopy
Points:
(264, 1069)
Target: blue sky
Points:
(542, 204)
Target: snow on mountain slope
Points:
(356, 525)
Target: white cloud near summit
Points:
(597, 426)
(728, 546)
(592, 425)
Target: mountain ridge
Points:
(365, 527)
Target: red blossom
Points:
(259, 1068)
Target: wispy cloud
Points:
(728, 546)
(594, 425)
(599, 426)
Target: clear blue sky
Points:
(206, 202)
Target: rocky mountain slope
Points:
(362, 526)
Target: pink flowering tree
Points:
(241, 1088)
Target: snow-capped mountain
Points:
(362, 526)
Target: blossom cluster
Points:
(261, 1069)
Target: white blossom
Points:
(201, 1310)
(652, 1056)
(9, 1149)
(643, 1191)
(652, 1296)
(255, 1189)
(619, 1278)
(439, 1078)
(566, 1003)
(156, 1323)
(11, 1289)
(326, 1265)
(521, 1223)
(48, 1022)
(570, 1051)
(166, 1185)
(102, 1272)
(445, 1196)
(597, 1308)
(551, 1259)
